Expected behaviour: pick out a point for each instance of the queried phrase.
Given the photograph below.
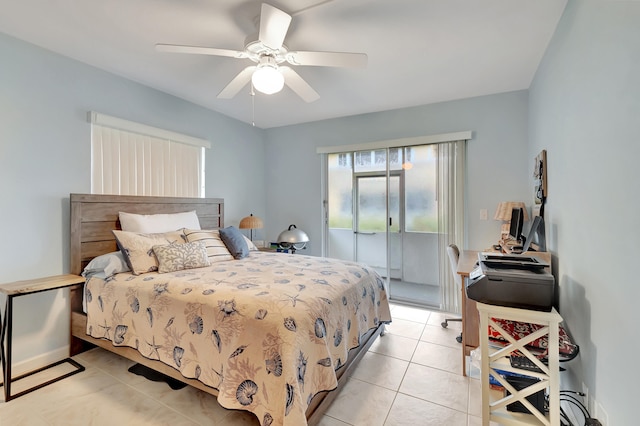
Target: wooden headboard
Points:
(93, 217)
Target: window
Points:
(420, 181)
(419, 166)
(133, 159)
(341, 196)
(344, 160)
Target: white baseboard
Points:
(39, 361)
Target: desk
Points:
(470, 318)
(22, 288)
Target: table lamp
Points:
(251, 222)
(503, 213)
(293, 239)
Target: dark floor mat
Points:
(153, 375)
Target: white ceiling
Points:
(420, 51)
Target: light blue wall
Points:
(45, 156)
(498, 167)
(585, 110)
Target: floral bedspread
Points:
(268, 331)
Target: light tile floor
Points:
(411, 376)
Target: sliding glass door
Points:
(382, 211)
(373, 244)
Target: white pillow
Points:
(250, 244)
(157, 223)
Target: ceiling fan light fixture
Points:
(267, 78)
(267, 49)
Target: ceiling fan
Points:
(268, 52)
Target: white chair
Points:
(454, 255)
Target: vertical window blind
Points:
(133, 159)
(451, 170)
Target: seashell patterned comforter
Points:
(267, 331)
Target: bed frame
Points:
(93, 217)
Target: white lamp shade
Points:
(267, 79)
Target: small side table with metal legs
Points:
(23, 288)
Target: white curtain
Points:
(129, 163)
(451, 167)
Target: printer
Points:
(516, 281)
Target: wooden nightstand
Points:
(23, 288)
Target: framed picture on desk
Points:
(540, 178)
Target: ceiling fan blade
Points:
(298, 85)
(238, 82)
(274, 25)
(328, 59)
(174, 48)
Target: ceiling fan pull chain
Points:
(253, 106)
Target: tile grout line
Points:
(425, 324)
(147, 395)
(409, 362)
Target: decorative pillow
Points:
(176, 257)
(155, 223)
(235, 242)
(216, 250)
(106, 265)
(137, 248)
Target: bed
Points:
(270, 333)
